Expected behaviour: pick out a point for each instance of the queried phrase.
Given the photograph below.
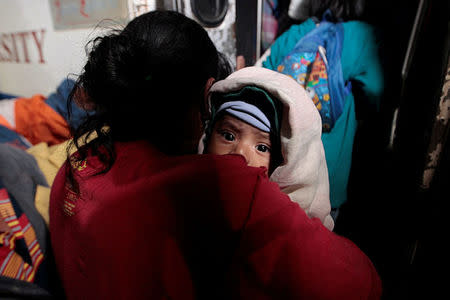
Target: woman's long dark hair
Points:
(342, 10)
(141, 82)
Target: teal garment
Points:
(360, 62)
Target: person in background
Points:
(247, 119)
(360, 64)
(134, 216)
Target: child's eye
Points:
(228, 136)
(262, 148)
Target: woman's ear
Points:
(205, 103)
(82, 100)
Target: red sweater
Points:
(200, 226)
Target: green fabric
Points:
(360, 62)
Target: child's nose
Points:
(244, 150)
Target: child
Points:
(246, 122)
(360, 65)
(247, 119)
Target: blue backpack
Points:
(315, 64)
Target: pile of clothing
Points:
(34, 137)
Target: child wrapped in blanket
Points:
(268, 119)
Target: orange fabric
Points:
(5, 123)
(38, 122)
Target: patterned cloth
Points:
(20, 252)
(309, 70)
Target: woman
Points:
(132, 216)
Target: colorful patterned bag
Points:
(315, 63)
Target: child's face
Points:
(233, 136)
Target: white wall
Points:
(34, 58)
(62, 52)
